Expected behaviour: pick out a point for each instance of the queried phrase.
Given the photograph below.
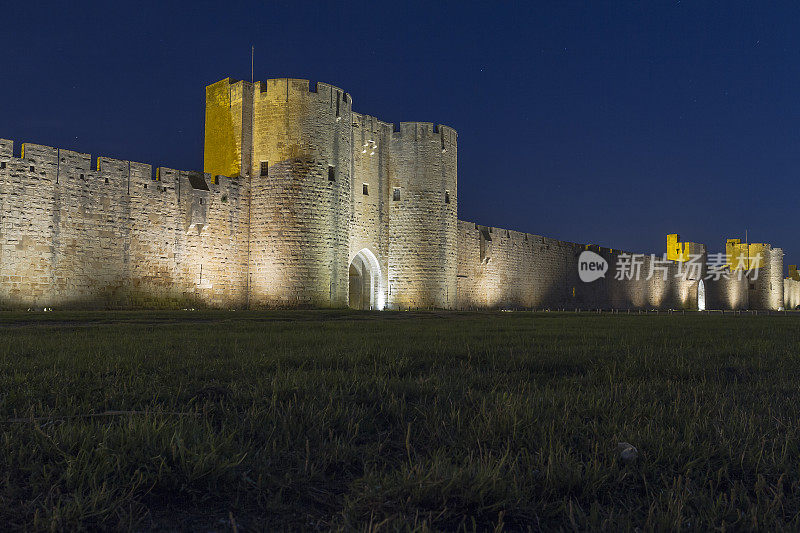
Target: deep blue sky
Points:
(610, 123)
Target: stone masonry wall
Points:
(371, 196)
(499, 268)
(773, 283)
(112, 234)
(423, 248)
(301, 194)
(791, 293)
(315, 188)
(727, 292)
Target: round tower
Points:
(765, 277)
(776, 295)
(300, 172)
(423, 201)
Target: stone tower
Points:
(763, 265)
(293, 145)
(342, 208)
(423, 248)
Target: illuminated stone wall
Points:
(405, 201)
(500, 268)
(727, 292)
(75, 235)
(327, 184)
(297, 189)
(369, 228)
(300, 194)
(222, 150)
(766, 288)
(791, 293)
(765, 281)
(423, 243)
(682, 251)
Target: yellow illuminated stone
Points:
(220, 156)
(744, 256)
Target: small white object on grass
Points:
(627, 452)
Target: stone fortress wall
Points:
(78, 233)
(499, 268)
(791, 288)
(305, 202)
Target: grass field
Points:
(344, 420)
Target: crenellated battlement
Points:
(288, 89)
(242, 132)
(425, 131)
(69, 166)
(504, 236)
(370, 124)
(37, 153)
(508, 236)
(6, 148)
(74, 159)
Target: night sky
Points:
(608, 123)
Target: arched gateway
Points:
(701, 296)
(366, 282)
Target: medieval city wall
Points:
(113, 234)
(499, 268)
(323, 206)
(728, 292)
(791, 293)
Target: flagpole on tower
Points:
(252, 53)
